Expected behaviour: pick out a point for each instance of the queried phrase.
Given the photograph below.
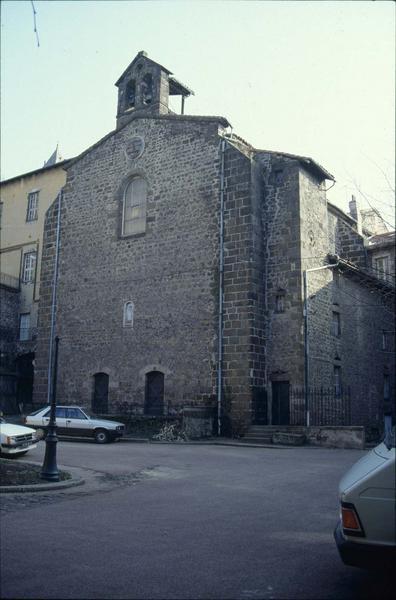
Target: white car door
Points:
(60, 419)
(77, 423)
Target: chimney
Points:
(355, 214)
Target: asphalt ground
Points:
(183, 521)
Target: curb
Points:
(41, 487)
(75, 481)
(233, 444)
(205, 443)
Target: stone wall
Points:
(344, 238)
(9, 302)
(280, 200)
(357, 350)
(242, 367)
(170, 273)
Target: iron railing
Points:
(327, 406)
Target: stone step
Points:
(256, 440)
(272, 428)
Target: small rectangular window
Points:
(24, 327)
(280, 303)
(386, 387)
(337, 381)
(336, 324)
(382, 267)
(32, 207)
(29, 267)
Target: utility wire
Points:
(35, 24)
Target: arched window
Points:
(147, 89)
(128, 314)
(134, 207)
(130, 94)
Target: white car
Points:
(365, 535)
(16, 440)
(73, 421)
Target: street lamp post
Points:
(49, 470)
(306, 335)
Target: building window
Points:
(24, 327)
(32, 207)
(29, 267)
(147, 89)
(336, 324)
(278, 177)
(382, 267)
(386, 387)
(128, 314)
(130, 95)
(280, 303)
(337, 381)
(134, 207)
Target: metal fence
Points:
(326, 406)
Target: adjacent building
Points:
(24, 202)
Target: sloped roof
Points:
(306, 161)
(381, 239)
(370, 281)
(140, 55)
(62, 164)
(167, 117)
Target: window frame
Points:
(337, 381)
(382, 273)
(24, 337)
(142, 205)
(29, 270)
(336, 323)
(32, 206)
(386, 387)
(126, 322)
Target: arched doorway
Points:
(154, 402)
(100, 399)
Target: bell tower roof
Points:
(144, 88)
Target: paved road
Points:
(183, 521)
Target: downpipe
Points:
(221, 279)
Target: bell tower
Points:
(144, 89)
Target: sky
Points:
(310, 78)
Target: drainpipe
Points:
(53, 306)
(221, 271)
(306, 335)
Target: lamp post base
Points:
(50, 471)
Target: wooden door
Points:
(280, 403)
(154, 393)
(100, 400)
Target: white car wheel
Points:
(101, 436)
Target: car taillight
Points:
(350, 520)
